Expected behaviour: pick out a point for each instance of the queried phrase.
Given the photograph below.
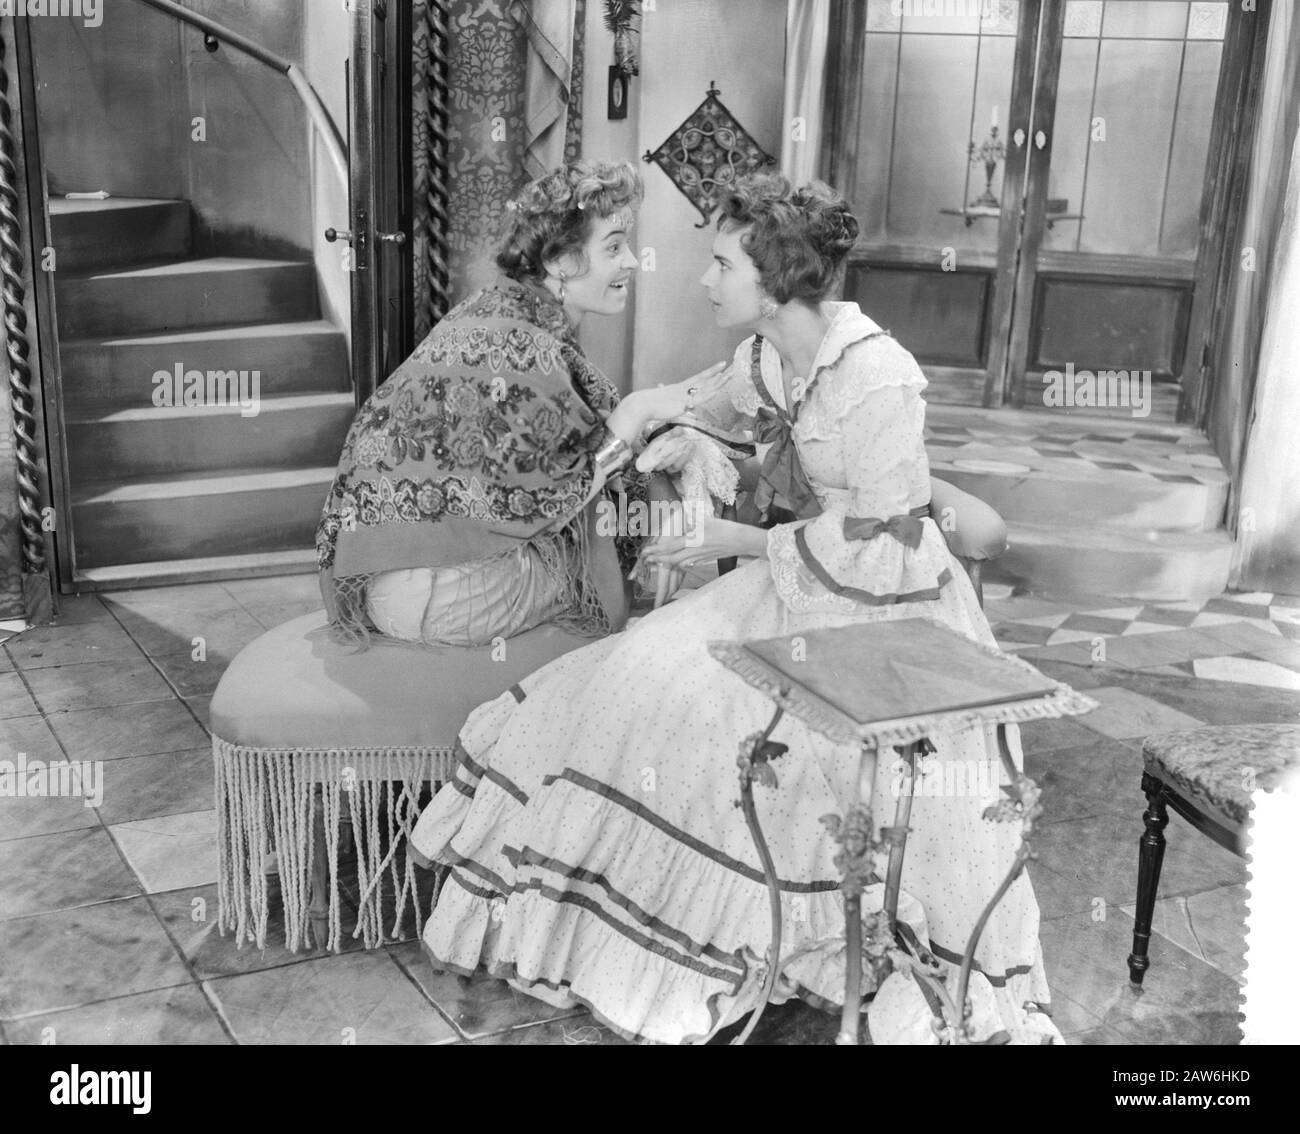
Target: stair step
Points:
(117, 371)
(1123, 500)
(287, 432)
(211, 292)
(1080, 558)
(174, 519)
(209, 569)
(118, 231)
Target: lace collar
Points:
(848, 325)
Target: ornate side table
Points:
(881, 685)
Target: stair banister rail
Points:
(316, 109)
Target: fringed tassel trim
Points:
(290, 802)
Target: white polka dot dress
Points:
(598, 852)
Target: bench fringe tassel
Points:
(289, 802)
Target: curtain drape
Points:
(548, 27)
(1263, 360)
(807, 25)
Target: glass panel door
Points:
(1107, 278)
(933, 175)
(1031, 180)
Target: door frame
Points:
(381, 170)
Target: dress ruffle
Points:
(876, 364)
(883, 568)
(542, 921)
(576, 877)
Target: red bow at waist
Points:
(906, 528)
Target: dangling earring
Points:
(561, 287)
(768, 307)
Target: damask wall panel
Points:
(487, 54)
(488, 57)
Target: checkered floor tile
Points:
(1249, 638)
(1017, 442)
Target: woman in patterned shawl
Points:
(463, 506)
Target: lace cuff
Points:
(709, 475)
(813, 571)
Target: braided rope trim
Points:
(266, 801)
(17, 344)
(831, 722)
(420, 173)
(438, 196)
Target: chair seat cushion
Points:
(973, 529)
(1216, 769)
(296, 687)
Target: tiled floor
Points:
(1022, 441)
(107, 914)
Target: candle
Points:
(995, 116)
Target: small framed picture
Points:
(617, 93)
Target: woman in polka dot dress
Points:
(597, 853)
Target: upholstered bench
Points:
(308, 732)
(1207, 775)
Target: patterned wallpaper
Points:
(485, 144)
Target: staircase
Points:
(1094, 505)
(166, 492)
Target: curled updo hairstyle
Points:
(554, 214)
(797, 238)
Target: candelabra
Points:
(990, 153)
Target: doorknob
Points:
(333, 234)
(398, 238)
(1019, 138)
(1040, 139)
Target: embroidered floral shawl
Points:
(482, 439)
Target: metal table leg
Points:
(858, 841)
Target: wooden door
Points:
(1118, 188)
(1037, 185)
(911, 93)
